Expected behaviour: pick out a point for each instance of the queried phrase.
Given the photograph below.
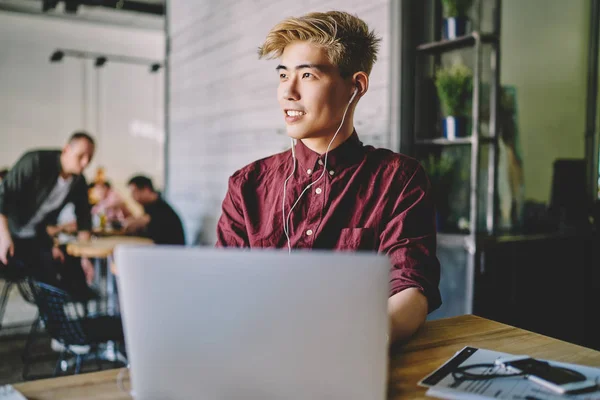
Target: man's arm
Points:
(83, 214)
(409, 239)
(83, 210)
(407, 310)
(136, 224)
(231, 229)
(68, 228)
(84, 236)
(14, 181)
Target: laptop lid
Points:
(235, 324)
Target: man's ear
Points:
(361, 83)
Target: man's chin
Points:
(298, 133)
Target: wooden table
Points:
(102, 247)
(430, 348)
(101, 250)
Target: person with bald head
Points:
(32, 195)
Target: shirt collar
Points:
(348, 153)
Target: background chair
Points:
(67, 322)
(14, 275)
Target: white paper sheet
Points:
(442, 384)
(7, 392)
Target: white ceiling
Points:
(100, 15)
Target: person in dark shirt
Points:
(32, 195)
(159, 222)
(330, 191)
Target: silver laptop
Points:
(225, 324)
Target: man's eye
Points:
(306, 75)
(282, 76)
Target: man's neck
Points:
(319, 145)
(62, 173)
(153, 198)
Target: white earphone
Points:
(286, 220)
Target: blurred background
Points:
(497, 99)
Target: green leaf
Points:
(454, 87)
(456, 8)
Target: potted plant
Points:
(456, 20)
(454, 86)
(440, 171)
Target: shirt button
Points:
(320, 162)
(309, 232)
(331, 172)
(309, 171)
(318, 191)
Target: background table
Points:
(102, 247)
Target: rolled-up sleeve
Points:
(409, 240)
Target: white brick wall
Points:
(223, 108)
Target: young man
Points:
(32, 195)
(336, 193)
(159, 222)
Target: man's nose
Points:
(291, 91)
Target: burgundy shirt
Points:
(368, 199)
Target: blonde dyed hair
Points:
(345, 37)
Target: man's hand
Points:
(88, 270)
(133, 225)
(7, 248)
(53, 230)
(84, 236)
(57, 254)
(130, 225)
(69, 227)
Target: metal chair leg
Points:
(4, 299)
(98, 359)
(26, 352)
(78, 361)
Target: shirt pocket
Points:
(264, 242)
(353, 239)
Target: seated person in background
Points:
(159, 222)
(331, 191)
(31, 196)
(3, 173)
(109, 203)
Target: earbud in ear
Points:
(353, 94)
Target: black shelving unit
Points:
(452, 142)
(462, 42)
(435, 49)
